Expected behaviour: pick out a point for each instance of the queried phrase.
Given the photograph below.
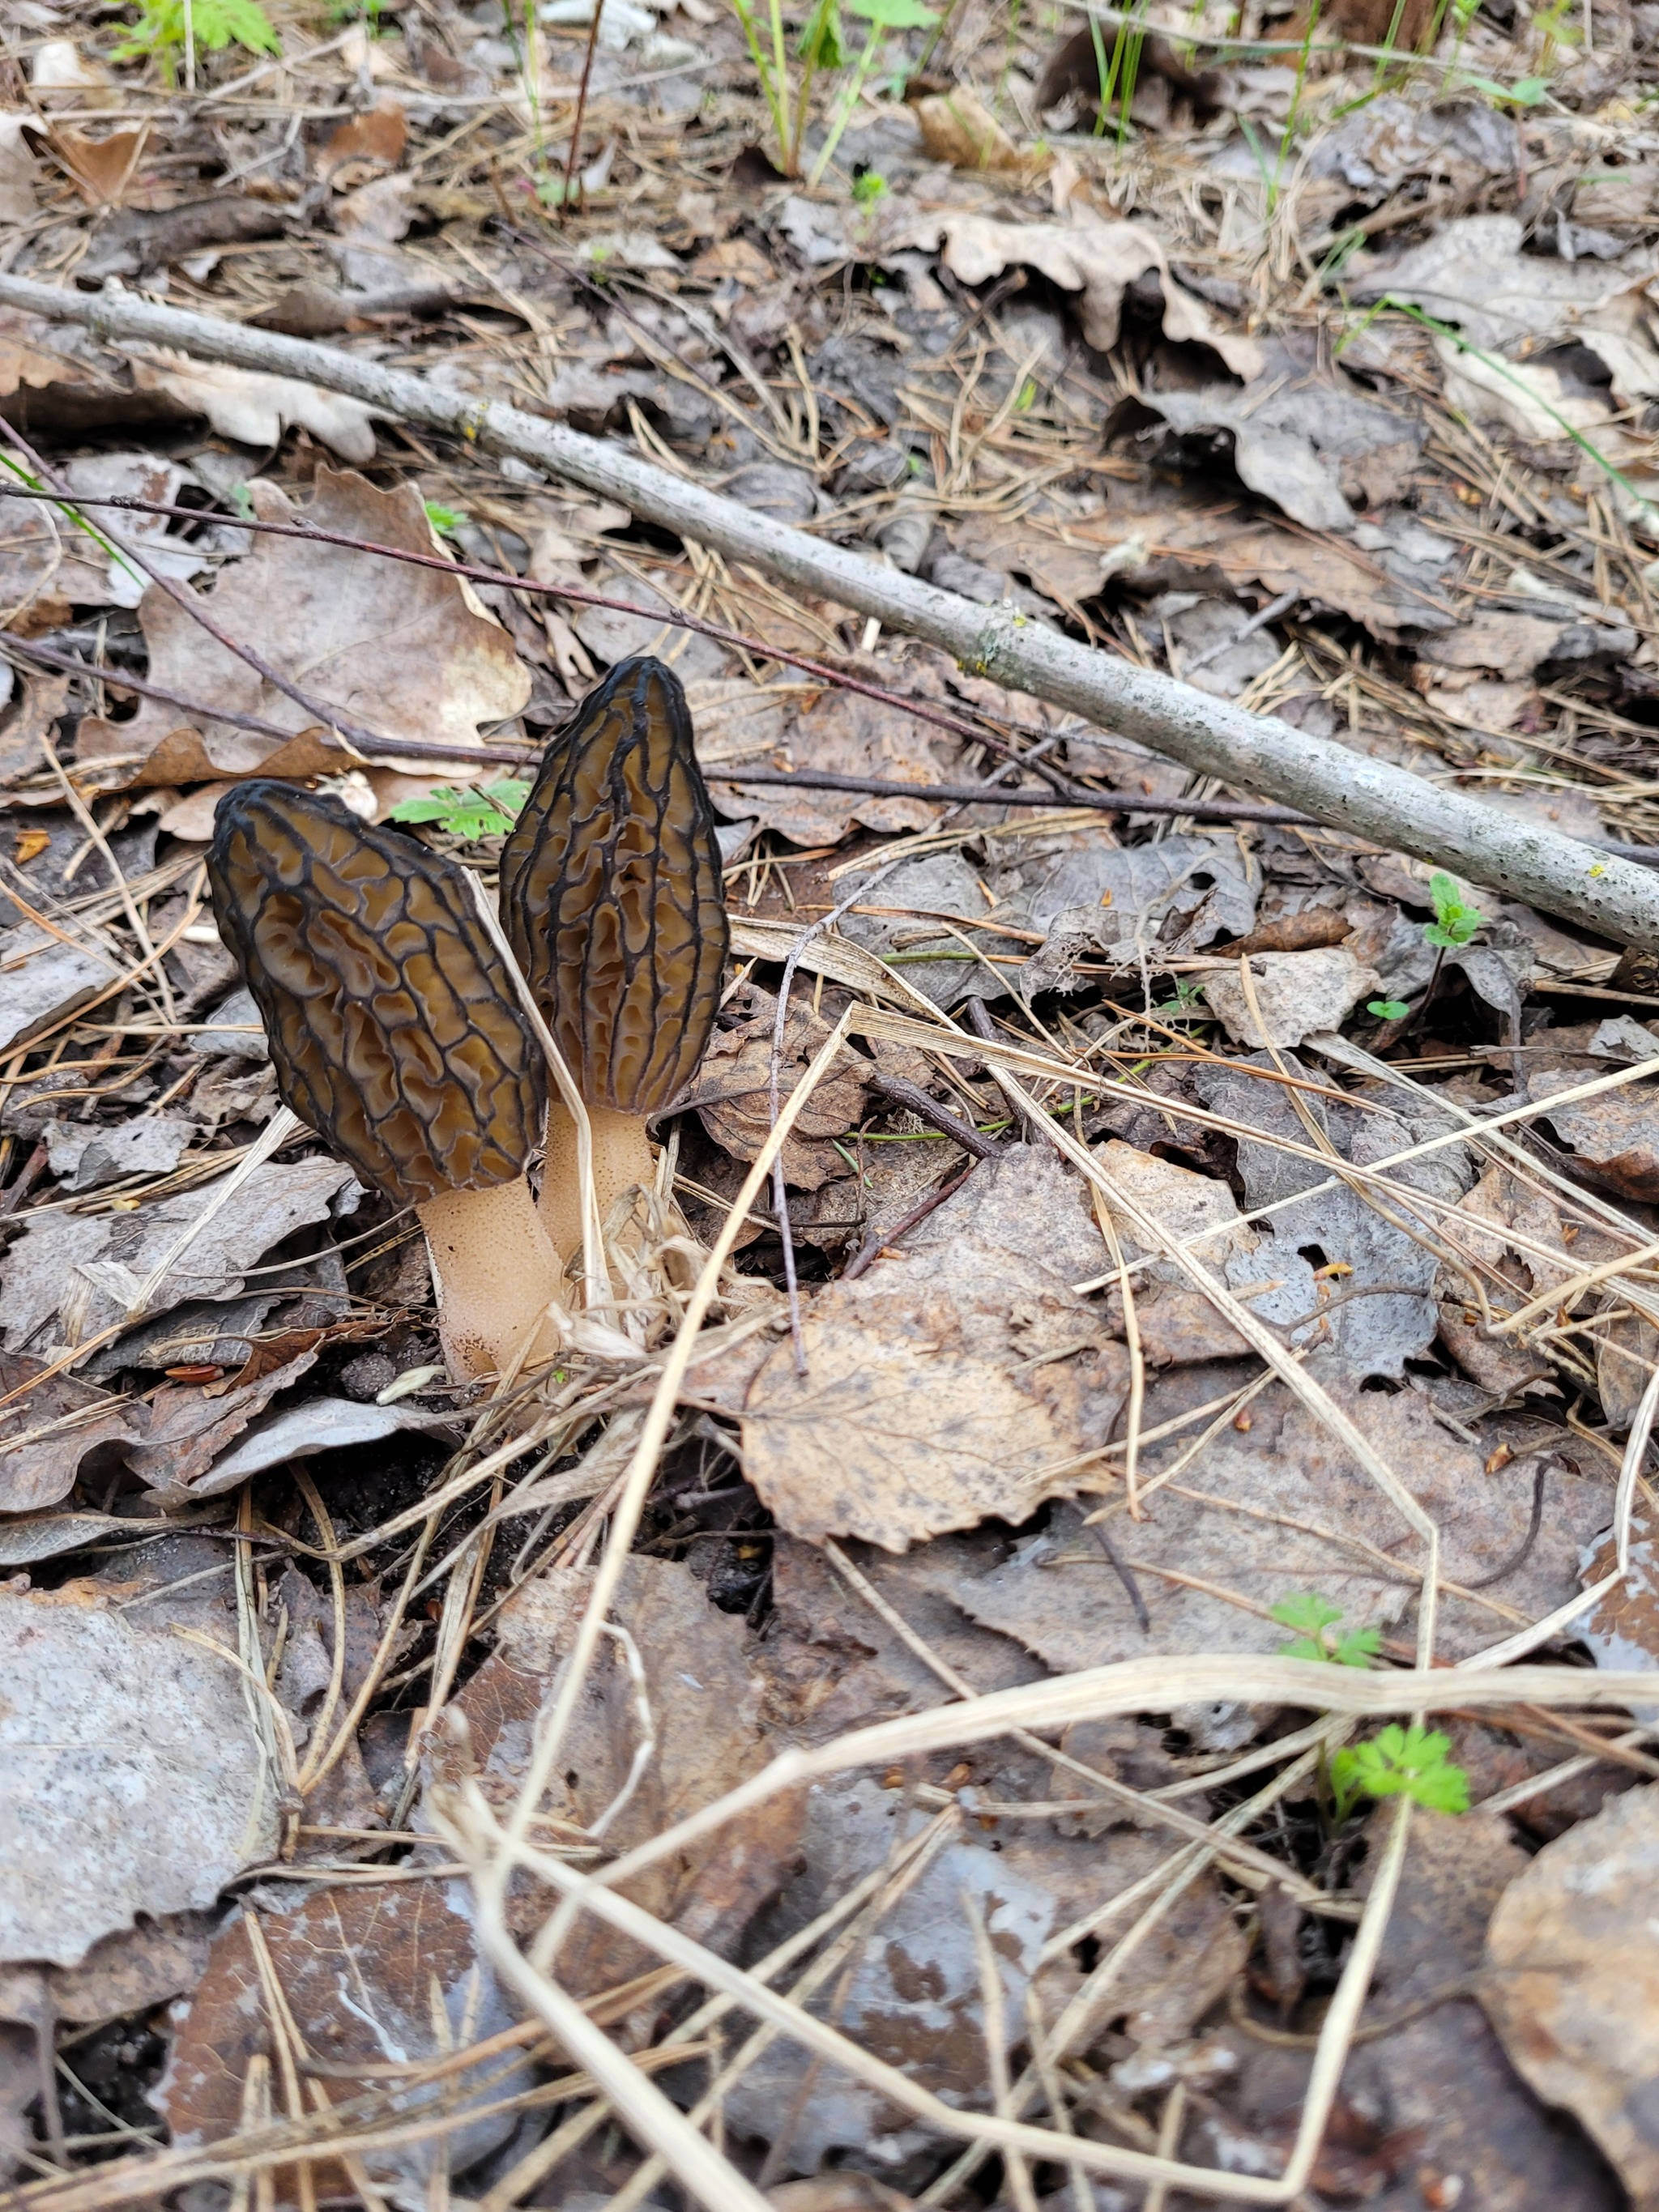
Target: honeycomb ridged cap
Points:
(392, 1033)
(611, 896)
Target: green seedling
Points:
(1454, 923)
(1388, 1009)
(159, 34)
(1314, 1615)
(1401, 1762)
(868, 187)
(445, 520)
(882, 16)
(482, 810)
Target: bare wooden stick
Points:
(1372, 797)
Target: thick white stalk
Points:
(622, 1155)
(1616, 898)
(495, 1273)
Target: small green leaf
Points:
(444, 519)
(1306, 1610)
(894, 15)
(821, 42)
(1388, 1009)
(487, 813)
(1314, 1615)
(1358, 1647)
(868, 187)
(1454, 923)
(1401, 1762)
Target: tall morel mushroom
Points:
(392, 1037)
(612, 903)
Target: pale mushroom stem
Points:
(622, 1155)
(495, 1272)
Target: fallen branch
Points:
(1372, 799)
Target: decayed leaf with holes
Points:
(405, 651)
(1386, 1315)
(732, 1093)
(913, 1993)
(135, 1783)
(1622, 1630)
(387, 1972)
(1574, 1995)
(706, 1716)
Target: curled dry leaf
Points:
(137, 1783)
(1615, 1135)
(406, 651)
(255, 408)
(732, 1094)
(1574, 1993)
(705, 1716)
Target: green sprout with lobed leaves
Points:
(487, 810)
(159, 35)
(1411, 1762)
(1314, 1615)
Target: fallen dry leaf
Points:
(82, 1270)
(732, 1093)
(137, 1783)
(846, 734)
(943, 1389)
(1086, 254)
(1615, 1136)
(404, 650)
(1296, 993)
(1574, 1993)
(706, 1714)
(383, 1972)
(255, 408)
(1279, 1507)
(363, 146)
(957, 127)
(19, 170)
(48, 1433)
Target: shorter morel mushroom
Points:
(390, 1035)
(612, 903)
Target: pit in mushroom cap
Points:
(391, 1036)
(612, 901)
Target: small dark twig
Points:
(571, 171)
(980, 1021)
(872, 1247)
(899, 1092)
(1519, 1557)
(1120, 1568)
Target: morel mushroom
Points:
(612, 903)
(392, 1036)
